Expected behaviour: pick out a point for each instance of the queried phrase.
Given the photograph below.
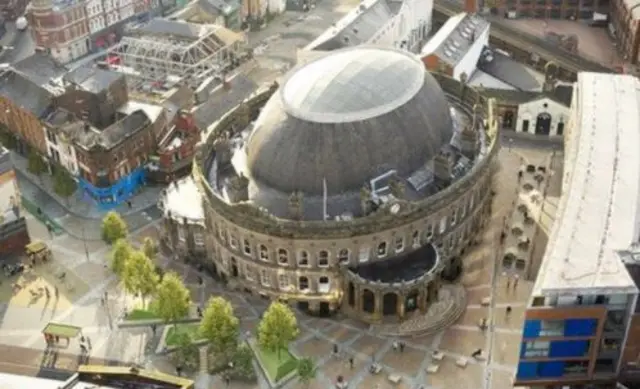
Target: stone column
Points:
(422, 300)
(377, 313)
(400, 307)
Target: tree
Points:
(172, 299)
(220, 326)
(139, 275)
(113, 227)
(63, 183)
(186, 354)
(277, 328)
(306, 371)
(36, 165)
(150, 248)
(120, 255)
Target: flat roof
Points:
(64, 330)
(14, 381)
(183, 199)
(455, 38)
(599, 210)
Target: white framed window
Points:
(463, 211)
(283, 281)
(399, 244)
(382, 249)
(344, 256)
(303, 284)
(283, 257)
(303, 258)
(246, 247)
(324, 285)
(415, 238)
(233, 242)
(264, 253)
(443, 225)
(265, 280)
(454, 217)
(323, 258)
(248, 273)
(536, 349)
(471, 201)
(198, 239)
(363, 254)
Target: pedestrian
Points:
(351, 362)
(199, 310)
(508, 283)
(395, 345)
(401, 347)
(227, 380)
(57, 339)
(46, 292)
(179, 370)
(102, 300)
(508, 309)
(153, 329)
(83, 348)
(129, 204)
(89, 342)
(515, 281)
(335, 349)
(56, 291)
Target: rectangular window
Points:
(536, 349)
(248, 273)
(198, 239)
(552, 328)
(363, 255)
(443, 224)
(264, 278)
(283, 281)
(233, 242)
(247, 247)
(399, 244)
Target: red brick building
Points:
(13, 228)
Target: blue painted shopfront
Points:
(116, 194)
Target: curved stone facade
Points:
(311, 262)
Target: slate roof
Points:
(561, 94)
(362, 28)
(40, 68)
(506, 69)
(23, 92)
(222, 100)
(92, 79)
(114, 134)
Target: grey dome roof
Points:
(346, 118)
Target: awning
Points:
(62, 330)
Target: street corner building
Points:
(13, 226)
(356, 185)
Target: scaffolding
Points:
(177, 51)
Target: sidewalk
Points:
(77, 205)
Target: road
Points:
(20, 42)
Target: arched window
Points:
(415, 238)
(283, 257)
(324, 286)
(264, 252)
(303, 258)
(323, 258)
(399, 244)
(303, 284)
(343, 256)
(247, 246)
(382, 249)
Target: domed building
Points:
(356, 185)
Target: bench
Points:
(394, 378)
(462, 362)
(437, 356)
(433, 369)
(486, 301)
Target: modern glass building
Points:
(577, 324)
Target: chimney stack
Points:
(470, 6)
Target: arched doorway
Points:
(324, 309)
(368, 301)
(411, 302)
(507, 120)
(543, 124)
(351, 294)
(234, 267)
(390, 304)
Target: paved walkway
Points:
(77, 216)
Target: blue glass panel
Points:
(523, 349)
(117, 193)
(531, 329)
(569, 348)
(550, 369)
(527, 370)
(580, 327)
